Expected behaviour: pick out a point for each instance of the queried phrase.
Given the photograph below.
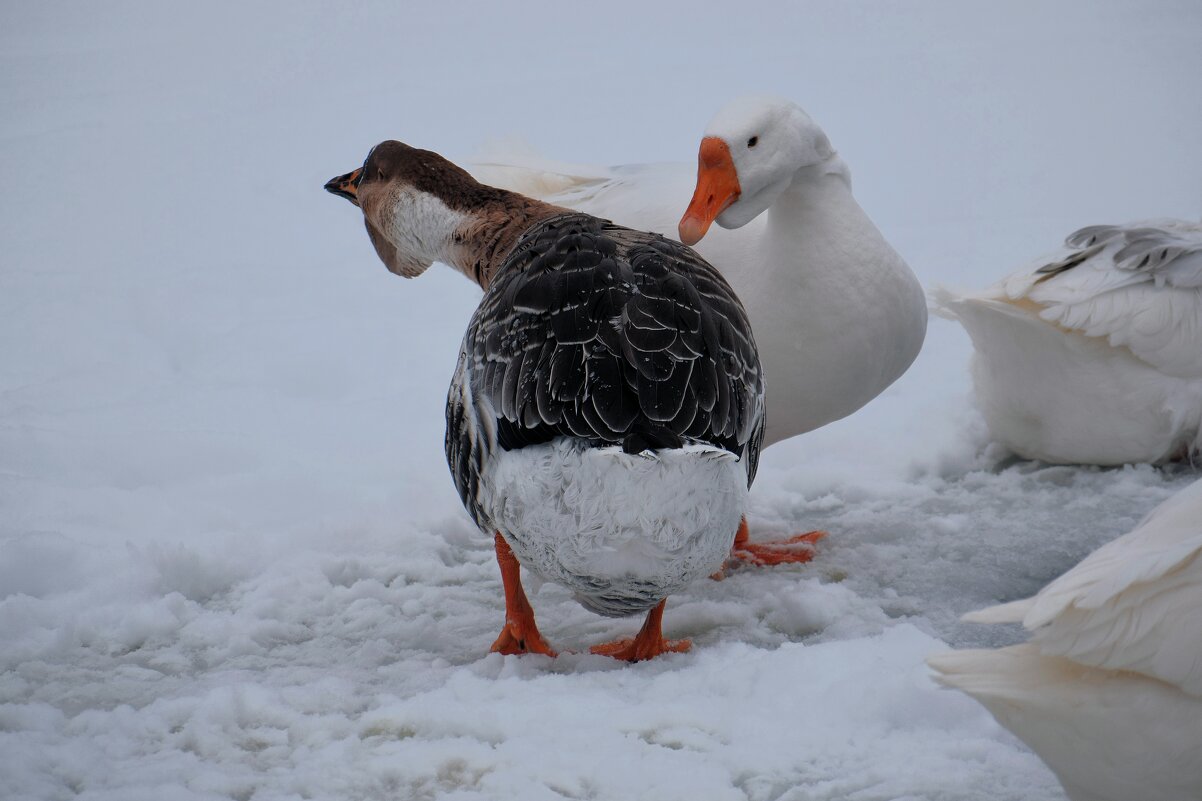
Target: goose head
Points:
(751, 152)
(413, 201)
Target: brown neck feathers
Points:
(481, 245)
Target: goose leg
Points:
(647, 644)
(520, 634)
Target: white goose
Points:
(837, 314)
(1094, 357)
(1108, 691)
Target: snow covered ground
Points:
(232, 564)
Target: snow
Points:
(232, 564)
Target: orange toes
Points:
(796, 549)
(632, 650)
(647, 644)
(514, 641)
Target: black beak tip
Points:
(335, 187)
(338, 186)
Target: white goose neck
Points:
(816, 180)
(816, 193)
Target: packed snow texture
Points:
(232, 564)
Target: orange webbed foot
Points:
(647, 644)
(631, 650)
(797, 549)
(514, 641)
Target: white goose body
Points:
(838, 315)
(1094, 355)
(1108, 691)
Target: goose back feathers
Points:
(607, 335)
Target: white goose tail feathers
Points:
(1013, 612)
(944, 303)
(1016, 673)
(516, 166)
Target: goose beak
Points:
(717, 188)
(346, 186)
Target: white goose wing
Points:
(1139, 286)
(647, 197)
(1131, 605)
(535, 176)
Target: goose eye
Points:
(753, 141)
(380, 174)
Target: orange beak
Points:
(346, 186)
(717, 188)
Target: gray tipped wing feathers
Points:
(1169, 252)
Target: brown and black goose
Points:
(605, 419)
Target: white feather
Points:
(1134, 603)
(1109, 689)
(1097, 359)
(1108, 736)
(622, 531)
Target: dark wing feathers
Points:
(611, 335)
